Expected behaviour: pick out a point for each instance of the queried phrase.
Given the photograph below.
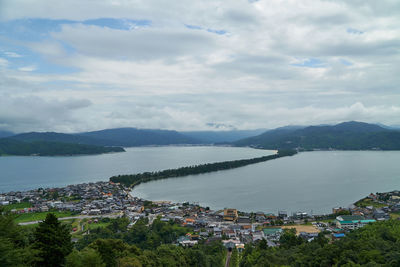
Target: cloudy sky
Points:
(76, 65)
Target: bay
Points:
(30, 172)
(312, 182)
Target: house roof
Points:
(356, 221)
(347, 222)
(367, 221)
(350, 217)
(338, 235)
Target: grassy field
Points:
(395, 215)
(38, 216)
(302, 228)
(17, 206)
(97, 225)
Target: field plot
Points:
(303, 228)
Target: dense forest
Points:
(49, 244)
(10, 146)
(343, 136)
(135, 179)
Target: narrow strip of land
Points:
(132, 180)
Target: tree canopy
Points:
(52, 241)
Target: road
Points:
(77, 217)
(228, 258)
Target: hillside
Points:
(9, 146)
(344, 136)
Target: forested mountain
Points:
(57, 137)
(112, 137)
(212, 137)
(344, 136)
(140, 137)
(9, 146)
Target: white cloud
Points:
(27, 68)
(169, 76)
(12, 54)
(37, 114)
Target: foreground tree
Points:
(53, 242)
(14, 243)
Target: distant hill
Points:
(126, 137)
(344, 136)
(9, 146)
(140, 137)
(212, 137)
(5, 134)
(129, 137)
(57, 137)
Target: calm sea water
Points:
(23, 173)
(311, 181)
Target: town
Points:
(90, 203)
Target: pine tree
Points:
(14, 249)
(53, 242)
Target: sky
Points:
(73, 66)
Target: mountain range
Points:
(130, 137)
(108, 140)
(344, 136)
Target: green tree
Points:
(111, 250)
(85, 258)
(289, 239)
(234, 258)
(53, 242)
(129, 262)
(14, 247)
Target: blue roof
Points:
(368, 221)
(338, 235)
